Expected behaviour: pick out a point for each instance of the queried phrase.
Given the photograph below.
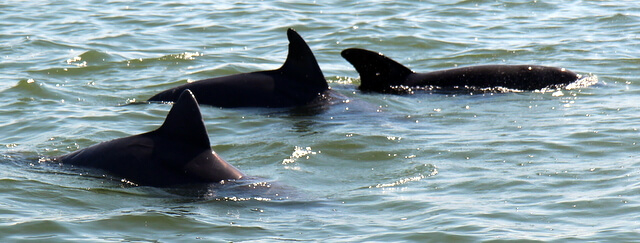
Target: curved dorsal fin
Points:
(184, 122)
(301, 61)
(377, 72)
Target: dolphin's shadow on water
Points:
(250, 188)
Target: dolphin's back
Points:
(518, 77)
(178, 152)
(298, 82)
(382, 74)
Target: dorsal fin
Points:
(184, 122)
(301, 61)
(377, 72)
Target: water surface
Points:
(540, 166)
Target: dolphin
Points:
(379, 73)
(298, 82)
(177, 153)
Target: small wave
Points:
(92, 57)
(618, 18)
(49, 44)
(414, 174)
(82, 69)
(171, 58)
(32, 89)
(539, 5)
(89, 62)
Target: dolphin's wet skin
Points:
(177, 153)
(379, 73)
(298, 82)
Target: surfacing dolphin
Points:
(379, 73)
(177, 153)
(298, 82)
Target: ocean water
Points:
(549, 166)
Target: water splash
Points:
(299, 152)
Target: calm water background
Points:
(540, 166)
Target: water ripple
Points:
(531, 166)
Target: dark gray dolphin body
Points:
(382, 74)
(298, 82)
(176, 153)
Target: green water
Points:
(540, 166)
